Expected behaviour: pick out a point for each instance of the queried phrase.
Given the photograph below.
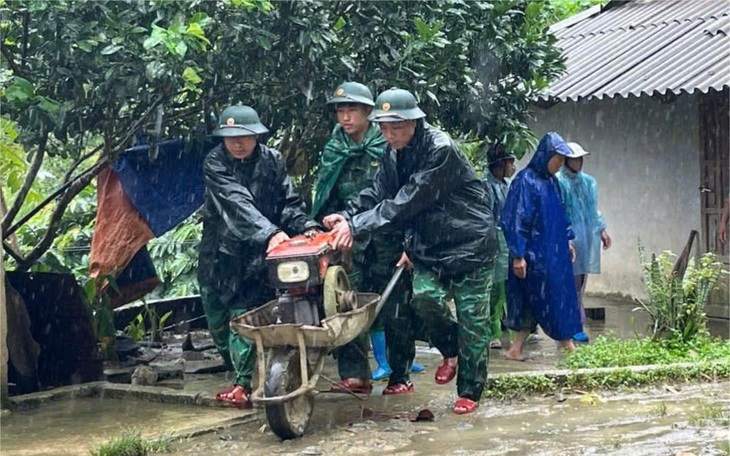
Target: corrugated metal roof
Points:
(644, 47)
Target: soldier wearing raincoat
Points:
(427, 186)
(250, 208)
(540, 286)
(501, 166)
(349, 162)
(580, 194)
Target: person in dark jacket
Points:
(501, 166)
(540, 286)
(349, 162)
(250, 208)
(427, 186)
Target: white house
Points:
(646, 92)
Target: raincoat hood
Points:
(550, 144)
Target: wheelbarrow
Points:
(316, 313)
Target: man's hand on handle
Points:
(405, 262)
(340, 229)
(331, 220)
(276, 240)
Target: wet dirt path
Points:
(684, 420)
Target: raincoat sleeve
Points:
(439, 176)
(518, 217)
(566, 198)
(294, 219)
(235, 204)
(600, 222)
(369, 197)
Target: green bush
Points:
(676, 305)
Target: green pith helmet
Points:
(496, 153)
(396, 105)
(239, 120)
(352, 92)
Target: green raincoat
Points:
(338, 150)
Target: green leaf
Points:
(151, 42)
(111, 49)
(195, 30)
(20, 90)
(533, 10)
(191, 76)
(339, 24)
(50, 106)
(432, 96)
(423, 28)
(180, 48)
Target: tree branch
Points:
(29, 179)
(79, 184)
(9, 58)
(77, 163)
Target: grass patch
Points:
(710, 415)
(515, 386)
(724, 447)
(131, 443)
(608, 351)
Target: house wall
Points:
(645, 157)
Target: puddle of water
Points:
(647, 423)
(73, 427)
(636, 424)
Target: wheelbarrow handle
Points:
(389, 288)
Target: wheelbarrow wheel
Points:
(289, 419)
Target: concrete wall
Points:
(645, 157)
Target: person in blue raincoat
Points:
(540, 285)
(580, 194)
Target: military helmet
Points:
(396, 105)
(496, 153)
(239, 120)
(352, 92)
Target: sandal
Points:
(236, 395)
(465, 405)
(398, 388)
(445, 373)
(224, 392)
(349, 385)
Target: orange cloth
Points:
(119, 233)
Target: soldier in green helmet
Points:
(250, 208)
(501, 164)
(427, 186)
(349, 162)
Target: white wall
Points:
(645, 157)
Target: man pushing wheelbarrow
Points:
(246, 255)
(250, 206)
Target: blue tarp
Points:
(167, 190)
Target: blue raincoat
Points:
(581, 201)
(537, 229)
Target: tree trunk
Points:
(4, 357)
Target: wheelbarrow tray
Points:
(335, 331)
